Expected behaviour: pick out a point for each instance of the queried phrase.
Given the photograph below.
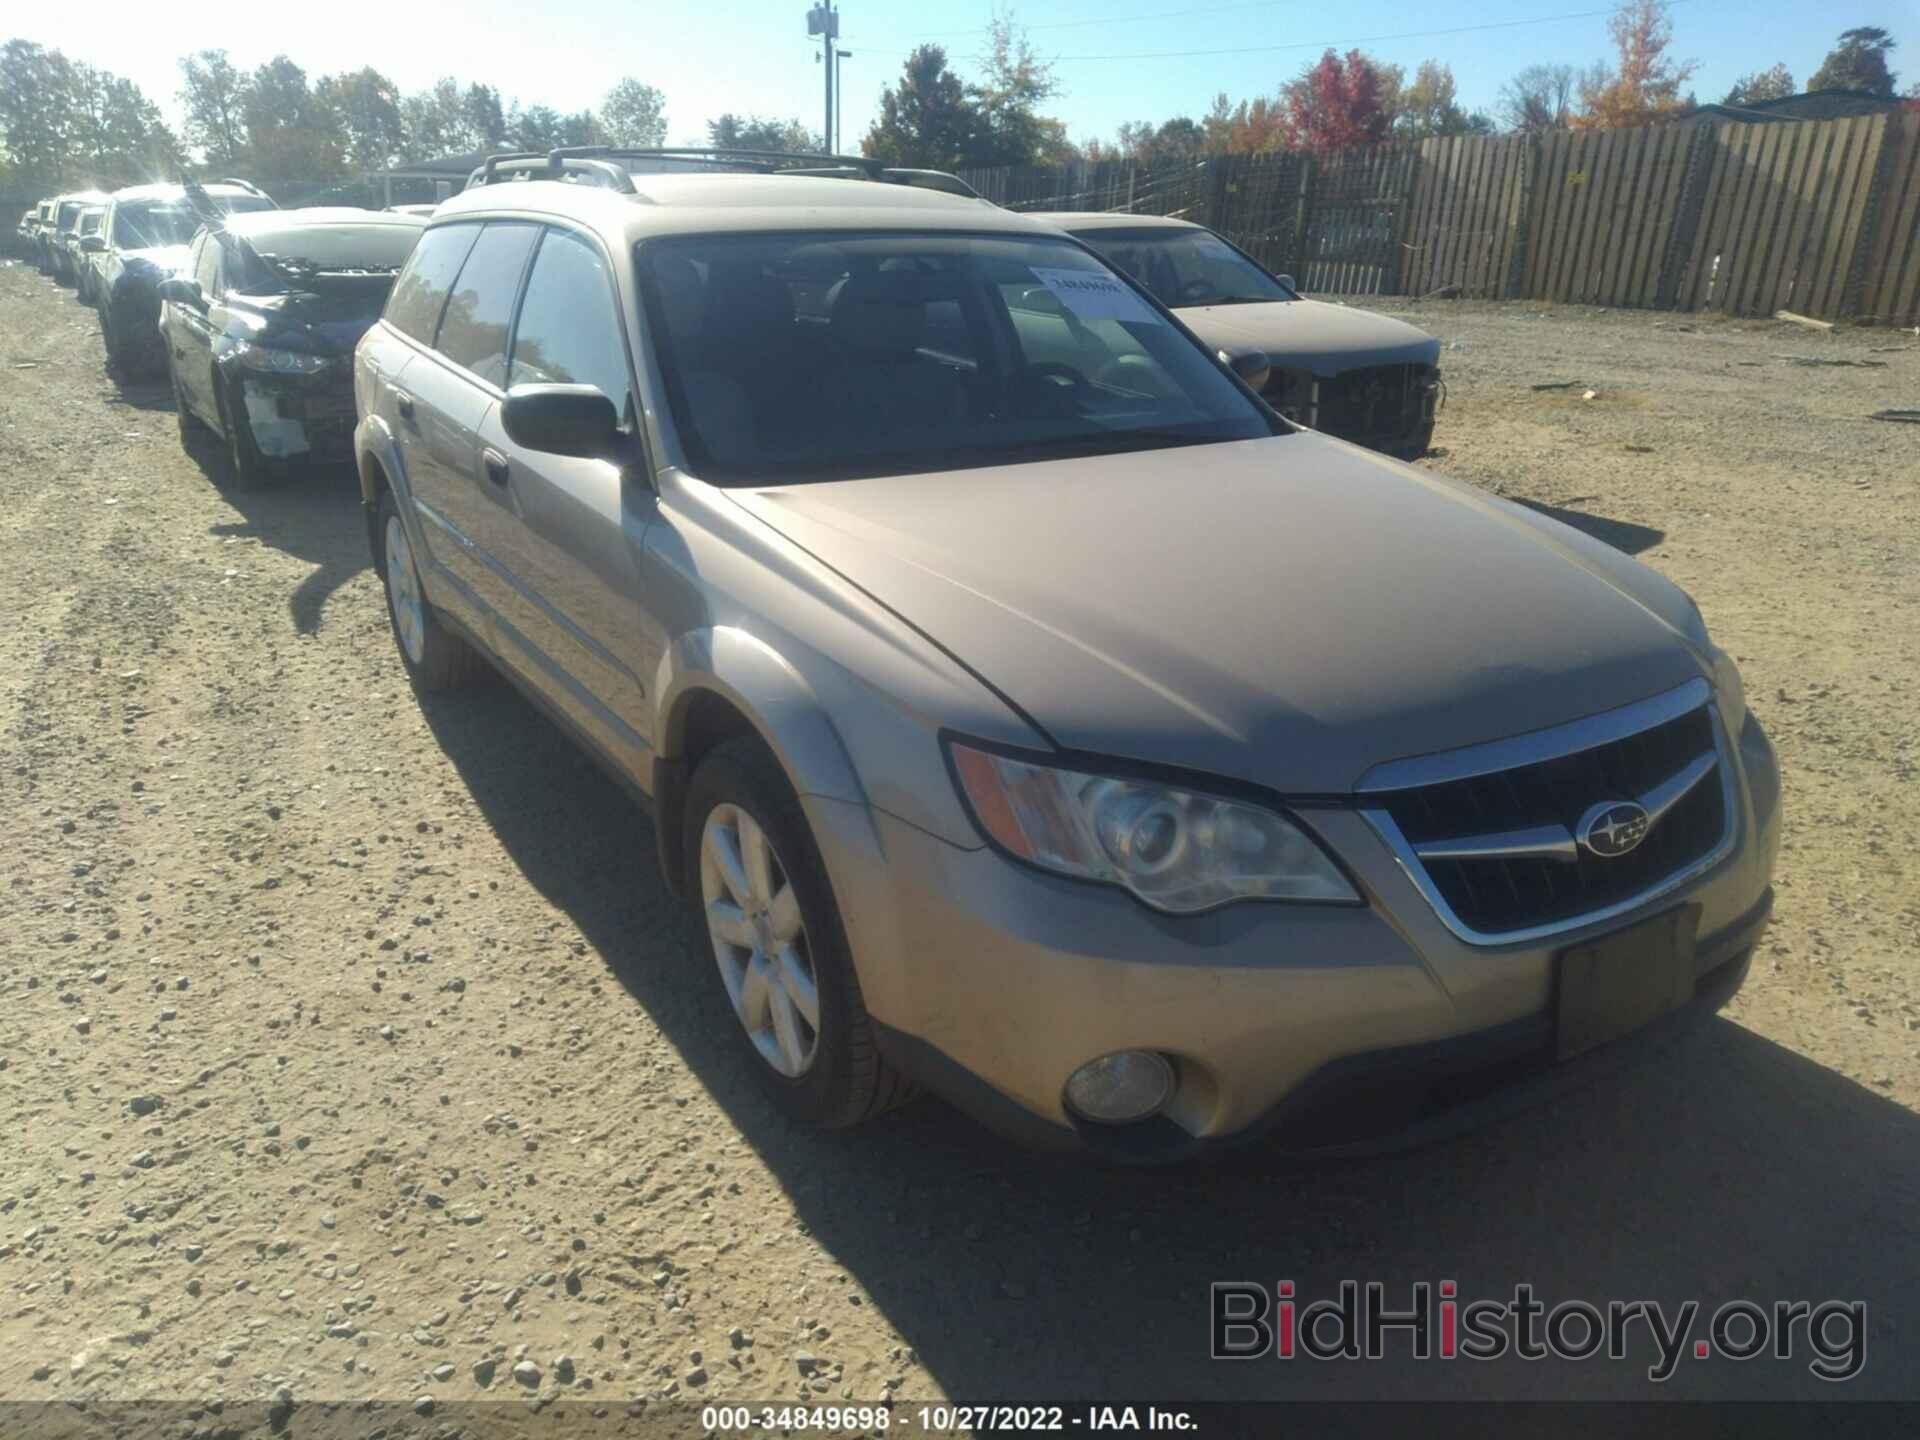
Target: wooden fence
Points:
(1821, 217)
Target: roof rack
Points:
(604, 165)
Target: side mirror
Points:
(1287, 280)
(182, 292)
(562, 420)
(92, 244)
(1251, 366)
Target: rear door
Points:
(566, 530)
(449, 394)
(426, 444)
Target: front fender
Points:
(760, 683)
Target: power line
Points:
(1318, 44)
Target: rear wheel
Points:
(774, 934)
(435, 657)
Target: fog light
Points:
(1127, 1085)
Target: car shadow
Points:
(311, 512)
(1622, 535)
(1723, 1167)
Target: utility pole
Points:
(823, 20)
(839, 99)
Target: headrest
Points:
(681, 293)
(882, 311)
(746, 307)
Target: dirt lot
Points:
(348, 1046)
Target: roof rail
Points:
(603, 164)
(246, 185)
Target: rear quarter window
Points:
(421, 292)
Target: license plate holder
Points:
(1616, 983)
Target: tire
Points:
(247, 468)
(191, 425)
(837, 1077)
(435, 658)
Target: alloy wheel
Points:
(403, 593)
(760, 940)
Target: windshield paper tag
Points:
(1093, 296)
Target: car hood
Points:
(167, 259)
(1313, 335)
(1288, 612)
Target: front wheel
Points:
(773, 932)
(246, 466)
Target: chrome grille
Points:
(1495, 848)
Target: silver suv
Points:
(1027, 711)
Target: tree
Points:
(486, 122)
(1252, 127)
(925, 120)
(1009, 128)
(1335, 103)
(116, 132)
(750, 132)
(1774, 84)
(1179, 141)
(292, 138)
(36, 109)
(437, 122)
(1429, 107)
(1538, 98)
(1858, 62)
(634, 114)
(1646, 84)
(366, 112)
(535, 128)
(213, 94)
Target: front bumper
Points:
(993, 982)
(298, 417)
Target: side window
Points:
(569, 333)
(206, 264)
(421, 292)
(473, 332)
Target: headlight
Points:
(1722, 672)
(279, 362)
(1728, 689)
(1174, 849)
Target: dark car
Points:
(146, 233)
(81, 253)
(64, 226)
(260, 329)
(26, 235)
(1348, 372)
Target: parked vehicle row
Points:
(1031, 705)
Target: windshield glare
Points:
(1187, 267)
(147, 225)
(792, 357)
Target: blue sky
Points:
(753, 55)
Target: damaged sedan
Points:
(1348, 373)
(260, 329)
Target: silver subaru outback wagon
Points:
(1025, 710)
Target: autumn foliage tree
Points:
(1645, 85)
(1335, 103)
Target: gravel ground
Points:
(354, 1048)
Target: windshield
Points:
(67, 214)
(149, 224)
(90, 221)
(1187, 267)
(823, 356)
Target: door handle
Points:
(403, 402)
(496, 465)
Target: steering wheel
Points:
(1060, 387)
(1196, 290)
